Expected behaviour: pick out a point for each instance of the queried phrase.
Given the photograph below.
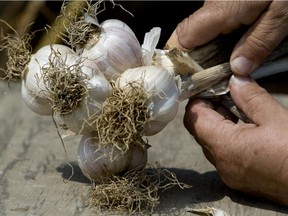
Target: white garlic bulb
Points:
(80, 120)
(114, 49)
(34, 92)
(163, 90)
(98, 162)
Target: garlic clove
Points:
(97, 162)
(162, 90)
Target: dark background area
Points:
(29, 16)
(149, 14)
(146, 15)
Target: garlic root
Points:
(135, 192)
(18, 51)
(123, 117)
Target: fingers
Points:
(268, 20)
(261, 39)
(214, 18)
(259, 106)
(206, 125)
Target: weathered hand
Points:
(249, 157)
(268, 21)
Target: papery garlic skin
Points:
(96, 164)
(161, 59)
(39, 105)
(80, 120)
(34, 92)
(150, 42)
(163, 90)
(114, 50)
(115, 23)
(154, 56)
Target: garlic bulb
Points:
(114, 49)
(34, 92)
(80, 120)
(163, 90)
(97, 162)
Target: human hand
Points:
(268, 21)
(250, 157)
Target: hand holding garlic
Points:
(244, 154)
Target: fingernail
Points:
(241, 65)
(240, 81)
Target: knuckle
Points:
(279, 10)
(260, 46)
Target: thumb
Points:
(261, 39)
(198, 29)
(213, 19)
(253, 100)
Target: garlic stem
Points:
(204, 80)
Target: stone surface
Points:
(34, 165)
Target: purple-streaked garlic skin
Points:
(98, 163)
(114, 49)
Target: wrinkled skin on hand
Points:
(250, 157)
(268, 21)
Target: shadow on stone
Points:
(72, 172)
(205, 188)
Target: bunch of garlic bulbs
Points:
(144, 100)
(155, 88)
(81, 87)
